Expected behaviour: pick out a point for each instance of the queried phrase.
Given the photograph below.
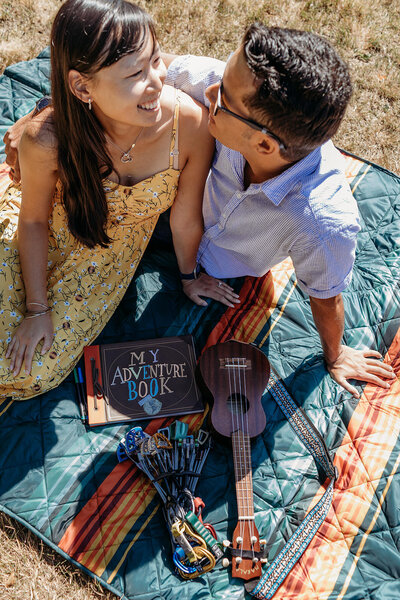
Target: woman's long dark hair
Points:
(88, 35)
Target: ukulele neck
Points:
(243, 476)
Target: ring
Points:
(220, 284)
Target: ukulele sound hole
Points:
(238, 404)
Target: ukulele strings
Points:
(249, 479)
(235, 430)
(241, 454)
(242, 424)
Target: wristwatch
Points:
(193, 275)
(41, 104)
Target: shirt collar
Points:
(278, 187)
(237, 162)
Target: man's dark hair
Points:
(303, 86)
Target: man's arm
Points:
(343, 362)
(193, 74)
(11, 140)
(14, 133)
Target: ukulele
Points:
(236, 375)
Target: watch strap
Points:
(193, 275)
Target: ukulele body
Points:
(236, 389)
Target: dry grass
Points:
(30, 570)
(367, 34)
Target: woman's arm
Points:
(39, 175)
(196, 148)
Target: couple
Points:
(118, 147)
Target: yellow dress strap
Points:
(174, 148)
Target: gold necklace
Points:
(126, 156)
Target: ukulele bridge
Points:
(235, 363)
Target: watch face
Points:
(42, 103)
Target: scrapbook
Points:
(140, 380)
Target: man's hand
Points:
(11, 140)
(208, 286)
(363, 365)
(343, 362)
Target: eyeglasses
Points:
(219, 106)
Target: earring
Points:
(90, 104)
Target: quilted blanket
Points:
(62, 479)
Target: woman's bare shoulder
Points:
(188, 107)
(193, 122)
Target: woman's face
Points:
(129, 91)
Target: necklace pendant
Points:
(126, 158)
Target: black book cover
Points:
(141, 380)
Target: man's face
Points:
(238, 82)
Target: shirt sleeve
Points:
(324, 270)
(194, 74)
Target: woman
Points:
(96, 173)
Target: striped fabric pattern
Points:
(66, 485)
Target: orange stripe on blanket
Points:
(276, 282)
(122, 503)
(352, 167)
(254, 320)
(114, 483)
(113, 532)
(245, 321)
(361, 459)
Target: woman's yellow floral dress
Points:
(85, 285)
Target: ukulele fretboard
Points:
(243, 477)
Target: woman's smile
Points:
(151, 105)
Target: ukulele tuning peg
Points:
(263, 561)
(255, 560)
(253, 540)
(263, 542)
(239, 540)
(226, 543)
(225, 562)
(238, 560)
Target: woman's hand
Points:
(25, 340)
(208, 286)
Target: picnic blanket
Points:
(62, 479)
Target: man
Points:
(277, 188)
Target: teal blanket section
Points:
(21, 85)
(52, 465)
